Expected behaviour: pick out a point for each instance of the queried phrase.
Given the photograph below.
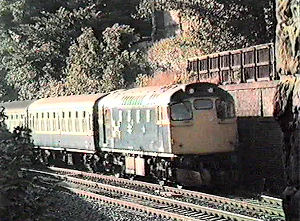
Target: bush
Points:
(16, 199)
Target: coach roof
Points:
(16, 105)
(145, 96)
(65, 102)
(159, 95)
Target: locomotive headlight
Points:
(191, 90)
(210, 90)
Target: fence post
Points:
(198, 69)
(243, 77)
(255, 64)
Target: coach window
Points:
(90, 122)
(128, 115)
(70, 122)
(138, 116)
(84, 128)
(37, 121)
(32, 123)
(120, 116)
(203, 104)
(42, 122)
(54, 123)
(63, 123)
(158, 114)
(161, 111)
(166, 113)
(148, 116)
(181, 111)
(76, 122)
(48, 122)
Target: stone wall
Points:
(260, 136)
(253, 99)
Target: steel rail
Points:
(132, 206)
(271, 200)
(187, 193)
(232, 202)
(170, 208)
(164, 201)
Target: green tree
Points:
(38, 35)
(105, 65)
(16, 199)
(220, 24)
(84, 71)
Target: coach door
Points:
(105, 127)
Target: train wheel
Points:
(50, 158)
(77, 160)
(88, 162)
(59, 159)
(37, 157)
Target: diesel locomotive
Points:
(181, 133)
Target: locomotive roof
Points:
(158, 95)
(16, 105)
(64, 102)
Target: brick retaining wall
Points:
(259, 136)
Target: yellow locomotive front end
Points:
(203, 135)
(203, 125)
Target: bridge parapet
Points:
(244, 65)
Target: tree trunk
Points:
(287, 100)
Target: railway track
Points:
(271, 200)
(166, 201)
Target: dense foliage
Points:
(16, 200)
(221, 24)
(38, 41)
(206, 27)
(58, 47)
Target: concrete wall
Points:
(259, 136)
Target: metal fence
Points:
(255, 63)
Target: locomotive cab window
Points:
(203, 104)
(181, 111)
(225, 110)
